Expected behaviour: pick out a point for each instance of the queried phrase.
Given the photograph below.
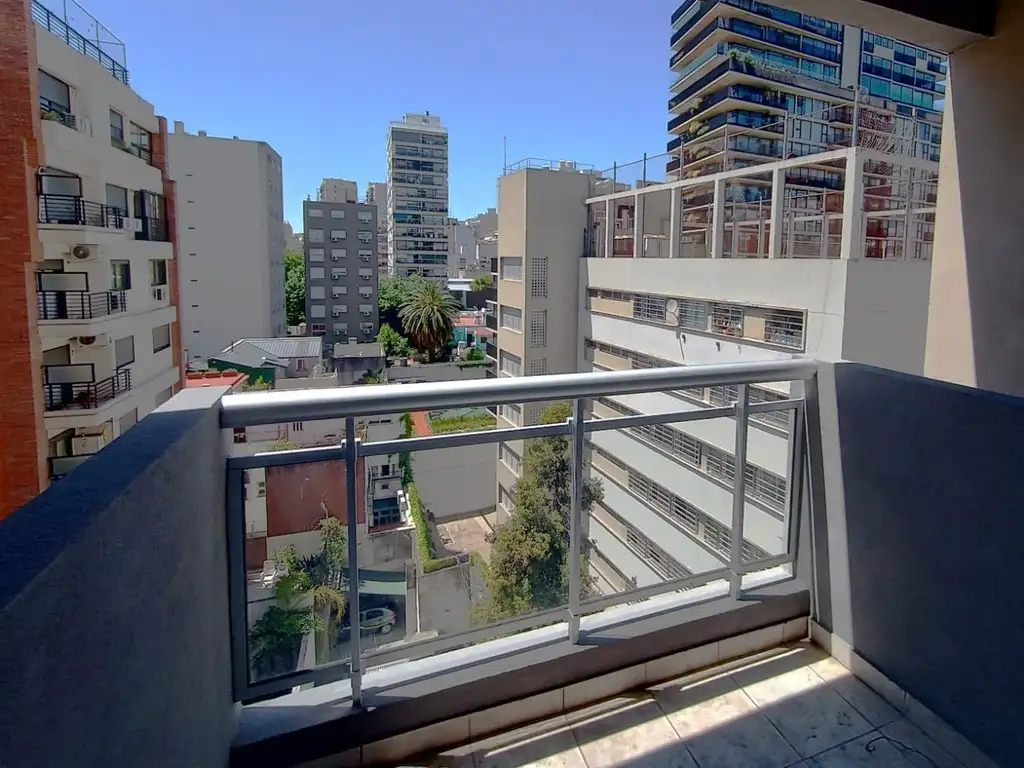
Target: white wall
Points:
(454, 482)
(231, 229)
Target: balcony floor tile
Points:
(791, 707)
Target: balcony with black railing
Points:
(76, 211)
(79, 305)
(792, 19)
(58, 113)
(154, 229)
(71, 387)
(96, 46)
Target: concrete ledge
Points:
(501, 693)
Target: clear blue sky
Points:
(320, 80)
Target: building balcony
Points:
(58, 113)
(79, 305)
(98, 46)
(491, 350)
(828, 637)
(73, 387)
(791, 19)
(74, 211)
(153, 229)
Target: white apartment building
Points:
(105, 290)
(230, 207)
(417, 215)
(337, 191)
(687, 273)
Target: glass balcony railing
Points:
(774, 13)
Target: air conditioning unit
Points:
(337, 313)
(84, 445)
(100, 340)
(159, 293)
(365, 313)
(335, 257)
(83, 252)
(338, 332)
(134, 225)
(366, 258)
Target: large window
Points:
(510, 364)
(649, 308)
(120, 275)
(124, 351)
(511, 413)
(512, 268)
(157, 272)
(510, 458)
(161, 338)
(117, 197)
(512, 319)
(54, 94)
(116, 127)
(316, 235)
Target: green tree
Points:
(428, 316)
(259, 385)
(481, 283)
(529, 564)
(294, 287)
(392, 292)
(474, 354)
(392, 343)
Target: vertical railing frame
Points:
(739, 480)
(577, 433)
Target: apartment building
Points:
(418, 196)
(825, 276)
(103, 331)
(754, 81)
(377, 194)
(338, 191)
(341, 270)
(230, 202)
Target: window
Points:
(365, 216)
(337, 213)
(727, 319)
(340, 329)
(338, 272)
(54, 182)
(337, 235)
(315, 235)
(511, 413)
(538, 327)
(316, 254)
(142, 140)
(317, 292)
(124, 351)
(239, 437)
(117, 197)
(692, 314)
(365, 274)
(512, 318)
(161, 338)
(316, 273)
(337, 254)
(512, 268)
(338, 290)
(296, 426)
(315, 213)
(784, 327)
(366, 292)
(364, 236)
(387, 515)
(510, 458)
(318, 328)
(510, 364)
(157, 272)
(539, 277)
(366, 327)
(121, 275)
(55, 93)
(539, 366)
(365, 255)
(116, 127)
(650, 308)
(506, 499)
(317, 310)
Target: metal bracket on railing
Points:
(355, 650)
(576, 432)
(738, 494)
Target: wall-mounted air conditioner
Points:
(83, 252)
(99, 340)
(159, 292)
(84, 445)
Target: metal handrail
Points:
(76, 211)
(79, 305)
(59, 27)
(251, 409)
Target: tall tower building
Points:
(417, 214)
(231, 216)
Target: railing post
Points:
(739, 480)
(354, 648)
(576, 519)
(645, 170)
(615, 175)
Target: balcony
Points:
(95, 46)
(57, 113)
(491, 349)
(792, 19)
(153, 229)
(79, 305)
(874, 563)
(74, 211)
(73, 387)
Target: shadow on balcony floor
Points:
(791, 706)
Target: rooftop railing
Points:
(94, 49)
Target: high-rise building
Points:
(341, 270)
(418, 196)
(754, 81)
(338, 191)
(230, 200)
(92, 342)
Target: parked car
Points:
(373, 620)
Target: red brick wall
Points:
(171, 211)
(22, 434)
(297, 495)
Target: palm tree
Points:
(428, 315)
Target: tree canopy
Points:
(428, 315)
(529, 564)
(392, 291)
(481, 283)
(294, 287)
(392, 343)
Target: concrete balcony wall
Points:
(921, 542)
(114, 603)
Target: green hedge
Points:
(424, 541)
(476, 423)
